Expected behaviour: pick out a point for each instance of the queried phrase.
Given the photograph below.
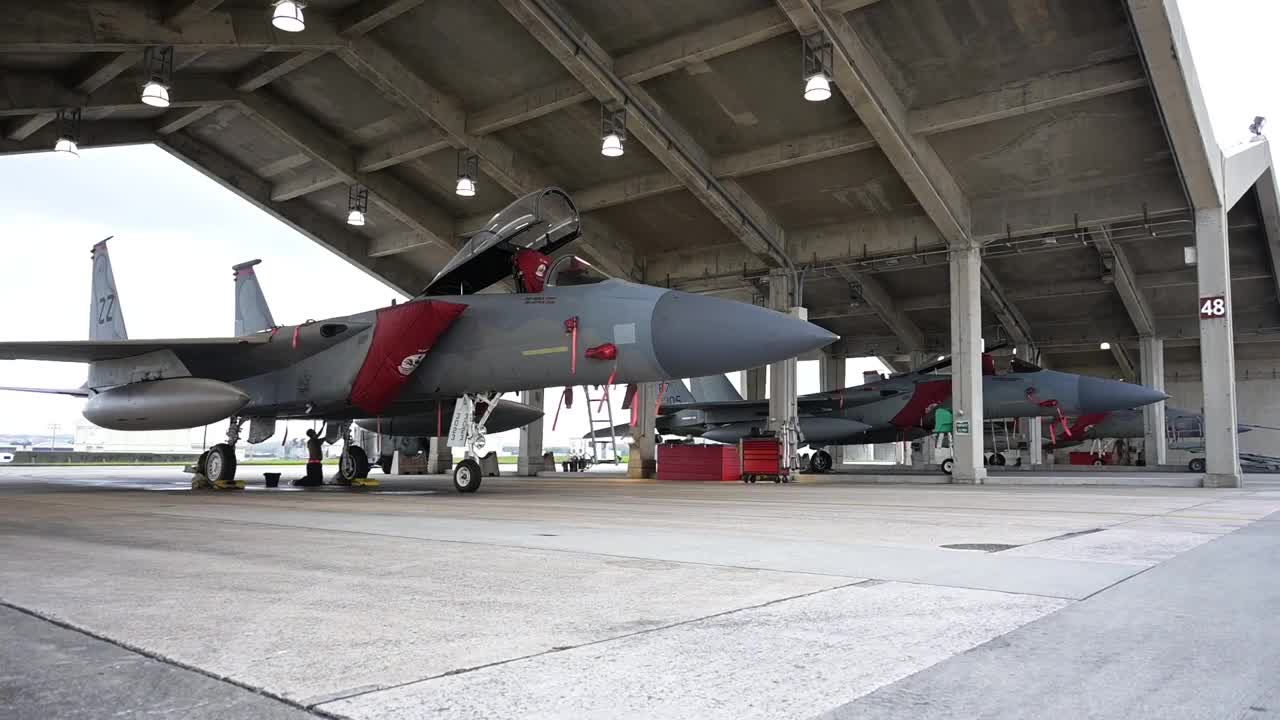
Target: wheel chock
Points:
(365, 482)
(200, 482)
(228, 485)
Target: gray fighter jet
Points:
(900, 407)
(1184, 430)
(403, 361)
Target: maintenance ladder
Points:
(609, 442)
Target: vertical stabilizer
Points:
(714, 388)
(252, 313)
(106, 321)
(677, 393)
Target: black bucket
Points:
(272, 479)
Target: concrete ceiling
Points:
(1038, 129)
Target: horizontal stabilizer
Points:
(74, 392)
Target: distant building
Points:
(91, 438)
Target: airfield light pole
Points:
(53, 435)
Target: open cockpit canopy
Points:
(543, 221)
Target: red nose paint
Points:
(926, 395)
(402, 336)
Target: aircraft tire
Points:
(821, 462)
(200, 462)
(997, 459)
(220, 463)
(1097, 462)
(1197, 465)
(946, 465)
(353, 465)
(467, 476)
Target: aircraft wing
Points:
(74, 392)
(86, 351)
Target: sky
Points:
(177, 234)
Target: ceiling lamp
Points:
(287, 16)
(468, 169)
(1104, 345)
(68, 133)
(357, 205)
(159, 72)
(815, 67)
(613, 131)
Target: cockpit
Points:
(541, 221)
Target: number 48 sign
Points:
(1213, 307)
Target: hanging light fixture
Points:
(613, 131)
(468, 169)
(1104, 345)
(287, 15)
(68, 133)
(816, 67)
(357, 205)
(159, 66)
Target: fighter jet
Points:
(450, 343)
(1184, 430)
(902, 407)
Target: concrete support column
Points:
(1032, 427)
(643, 462)
(754, 381)
(831, 369)
(530, 460)
(1217, 350)
(439, 456)
(966, 365)
(783, 413)
(1155, 442)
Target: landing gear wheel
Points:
(384, 462)
(997, 459)
(821, 462)
(220, 463)
(947, 465)
(1097, 462)
(201, 462)
(467, 476)
(353, 465)
(1197, 465)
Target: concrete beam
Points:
(401, 201)
(368, 15)
(402, 149)
(273, 67)
(84, 26)
(889, 312)
(1127, 369)
(102, 72)
(1116, 261)
(662, 58)
(174, 120)
(1032, 95)
(185, 12)
(106, 133)
(323, 228)
(1162, 41)
(603, 245)
(647, 121)
(32, 94)
(864, 85)
(1017, 327)
(395, 244)
(1114, 201)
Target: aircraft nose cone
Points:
(695, 335)
(1099, 395)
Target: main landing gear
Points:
(353, 463)
(217, 465)
(820, 462)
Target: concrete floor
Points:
(591, 597)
